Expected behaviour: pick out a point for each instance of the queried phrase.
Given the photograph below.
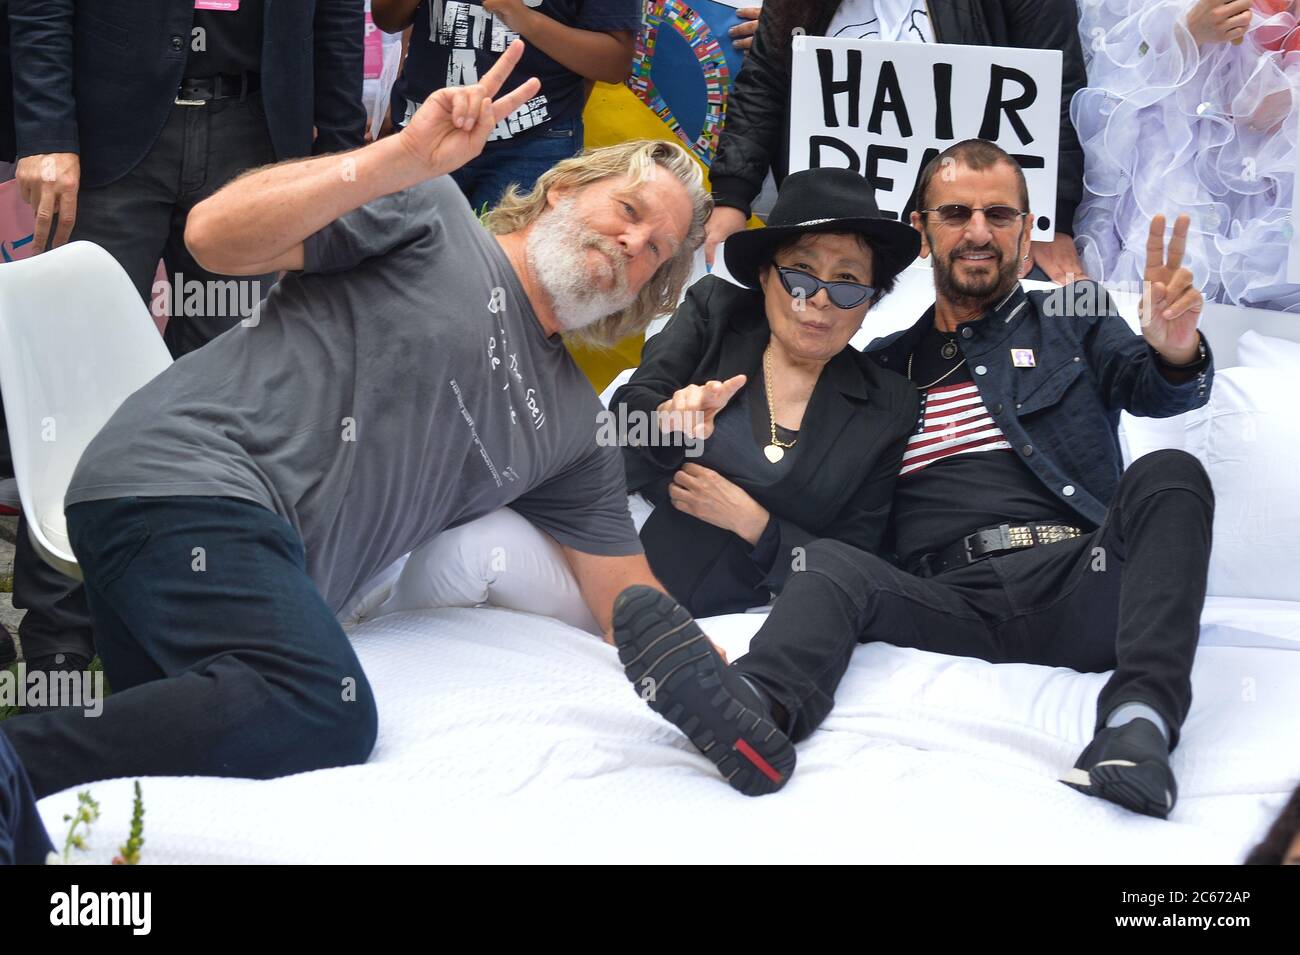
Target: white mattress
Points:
(505, 736)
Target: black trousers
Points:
(1127, 597)
(139, 219)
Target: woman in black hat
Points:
(768, 429)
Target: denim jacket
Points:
(1060, 414)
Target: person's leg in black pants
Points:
(1126, 597)
(745, 717)
(57, 623)
(1129, 596)
(845, 596)
(221, 140)
(139, 219)
(1129, 600)
(23, 839)
(223, 657)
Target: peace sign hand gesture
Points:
(451, 127)
(1171, 305)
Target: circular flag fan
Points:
(673, 92)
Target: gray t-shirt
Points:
(398, 386)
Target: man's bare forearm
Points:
(257, 223)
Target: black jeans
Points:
(222, 656)
(23, 839)
(139, 219)
(1127, 597)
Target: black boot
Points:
(1129, 766)
(676, 670)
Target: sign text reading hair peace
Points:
(886, 109)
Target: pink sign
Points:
(374, 44)
(220, 5)
(17, 225)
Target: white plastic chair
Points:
(75, 341)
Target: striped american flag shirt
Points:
(953, 421)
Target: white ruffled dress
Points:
(1170, 128)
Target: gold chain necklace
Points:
(937, 380)
(776, 450)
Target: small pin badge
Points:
(1022, 357)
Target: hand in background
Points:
(723, 221)
(509, 12)
(742, 34)
(1214, 21)
(49, 184)
(1058, 258)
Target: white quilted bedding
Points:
(510, 737)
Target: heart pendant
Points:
(774, 452)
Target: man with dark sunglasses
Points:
(1016, 538)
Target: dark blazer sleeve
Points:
(668, 361)
(861, 523)
(1054, 25)
(1127, 372)
(8, 145)
(45, 113)
(754, 128)
(339, 65)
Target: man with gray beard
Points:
(407, 375)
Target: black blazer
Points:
(99, 77)
(8, 144)
(850, 448)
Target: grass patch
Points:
(8, 711)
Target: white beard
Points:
(557, 247)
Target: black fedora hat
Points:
(822, 200)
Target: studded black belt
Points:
(991, 542)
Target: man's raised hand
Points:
(451, 127)
(1171, 304)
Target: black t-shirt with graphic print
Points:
(462, 46)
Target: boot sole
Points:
(1139, 787)
(675, 669)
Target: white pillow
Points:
(1263, 351)
(1139, 436)
(1249, 441)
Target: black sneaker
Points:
(676, 670)
(1129, 766)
